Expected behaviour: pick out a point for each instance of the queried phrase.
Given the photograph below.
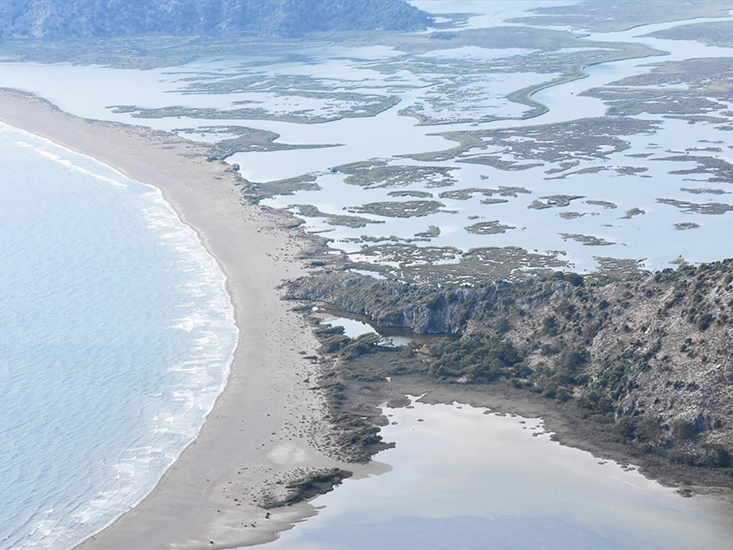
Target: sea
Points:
(117, 337)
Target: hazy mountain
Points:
(60, 19)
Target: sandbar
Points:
(267, 425)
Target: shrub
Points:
(683, 429)
(704, 322)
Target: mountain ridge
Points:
(62, 19)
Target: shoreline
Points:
(266, 425)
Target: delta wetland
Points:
(544, 198)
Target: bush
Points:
(683, 429)
(704, 322)
(549, 325)
(571, 361)
(626, 428)
(502, 327)
(717, 456)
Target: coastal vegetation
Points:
(317, 108)
(315, 482)
(239, 139)
(643, 361)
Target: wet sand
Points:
(266, 425)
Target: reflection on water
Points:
(463, 478)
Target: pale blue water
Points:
(116, 337)
(464, 479)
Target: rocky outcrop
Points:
(650, 358)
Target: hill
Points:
(62, 19)
(643, 362)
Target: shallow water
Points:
(462, 478)
(117, 337)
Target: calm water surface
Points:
(466, 479)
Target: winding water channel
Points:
(651, 239)
(367, 138)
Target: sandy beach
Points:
(266, 426)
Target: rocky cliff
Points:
(648, 358)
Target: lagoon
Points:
(468, 477)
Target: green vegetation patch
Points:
(410, 193)
(465, 194)
(626, 102)
(310, 211)
(604, 204)
(633, 212)
(332, 106)
(586, 240)
(690, 89)
(720, 170)
(397, 209)
(488, 228)
(715, 33)
(602, 16)
(246, 139)
(478, 265)
(221, 84)
(575, 215)
(432, 232)
(554, 201)
(315, 483)
(406, 254)
(710, 208)
(620, 170)
(496, 161)
(379, 174)
(262, 190)
(478, 358)
(568, 142)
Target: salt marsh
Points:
(401, 108)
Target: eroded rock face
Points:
(651, 357)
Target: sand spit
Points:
(266, 426)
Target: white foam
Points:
(171, 415)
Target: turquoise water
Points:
(117, 334)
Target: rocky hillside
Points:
(649, 358)
(63, 19)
